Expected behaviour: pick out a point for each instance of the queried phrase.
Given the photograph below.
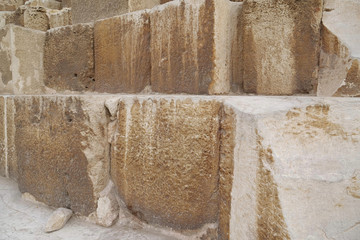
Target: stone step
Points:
(259, 167)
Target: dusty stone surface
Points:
(59, 18)
(107, 211)
(58, 219)
(3, 145)
(124, 67)
(61, 150)
(23, 220)
(69, 58)
(340, 54)
(84, 11)
(5, 18)
(21, 68)
(295, 168)
(36, 18)
(196, 59)
(50, 4)
(165, 159)
(282, 40)
(10, 5)
(135, 5)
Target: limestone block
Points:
(59, 18)
(197, 57)
(84, 11)
(58, 219)
(339, 73)
(3, 157)
(122, 53)
(135, 5)
(50, 4)
(36, 18)
(5, 18)
(295, 168)
(21, 57)
(165, 156)
(69, 58)
(281, 42)
(10, 5)
(61, 149)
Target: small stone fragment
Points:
(58, 219)
(107, 211)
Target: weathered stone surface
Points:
(61, 149)
(3, 145)
(59, 18)
(10, 5)
(5, 18)
(281, 42)
(21, 68)
(295, 168)
(69, 58)
(50, 4)
(107, 211)
(58, 219)
(135, 5)
(165, 159)
(84, 11)
(122, 53)
(36, 18)
(197, 57)
(340, 54)
(66, 3)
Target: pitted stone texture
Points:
(122, 53)
(10, 5)
(295, 168)
(36, 18)
(340, 54)
(61, 150)
(21, 68)
(84, 11)
(165, 159)
(59, 18)
(281, 42)
(196, 58)
(69, 58)
(135, 5)
(3, 145)
(50, 4)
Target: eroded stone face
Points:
(281, 42)
(36, 18)
(61, 150)
(165, 160)
(10, 5)
(3, 157)
(122, 53)
(69, 58)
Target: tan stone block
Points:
(62, 150)
(59, 18)
(50, 4)
(165, 159)
(69, 58)
(281, 42)
(66, 3)
(10, 5)
(135, 5)
(3, 154)
(10, 135)
(339, 73)
(123, 67)
(36, 18)
(84, 11)
(22, 49)
(197, 57)
(5, 18)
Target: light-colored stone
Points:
(21, 68)
(107, 211)
(281, 42)
(10, 5)
(5, 18)
(36, 18)
(59, 18)
(124, 67)
(165, 156)
(197, 57)
(61, 149)
(69, 58)
(340, 54)
(51, 4)
(135, 5)
(295, 168)
(58, 219)
(3, 145)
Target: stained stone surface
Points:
(36, 18)
(122, 53)
(281, 42)
(69, 58)
(10, 5)
(296, 167)
(61, 151)
(340, 54)
(165, 159)
(3, 157)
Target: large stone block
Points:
(10, 5)
(21, 57)
(61, 149)
(281, 42)
(59, 18)
(84, 11)
(122, 53)
(69, 58)
(191, 46)
(36, 18)
(165, 159)
(295, 168)
(339, 73)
